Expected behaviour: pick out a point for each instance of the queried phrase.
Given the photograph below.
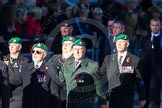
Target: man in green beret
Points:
(81, 93)
(122, 70)
(14, 61)
(33, 78)
(54, 65)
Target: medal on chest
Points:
(15, 65)
(126, 69)
(79, 79)
(41, 77)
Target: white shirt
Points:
(38, 65)
(67, 55)
(156, 35)
(79, 61)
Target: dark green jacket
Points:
(68, 74)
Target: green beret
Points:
(15, 40)
(40, 45)
(121, 36)
(68, 38)
(79, 42)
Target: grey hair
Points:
(122, 25)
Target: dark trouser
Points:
(154, 105)
(57, 103)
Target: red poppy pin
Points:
(45, 69)
(128, 60)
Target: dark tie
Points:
(120, 60)
(36, 66)
(76, 63)
(153, 41)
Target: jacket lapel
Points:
(42, 66)
(113, 65)
(83, 64)
(31, 67)
(127, 60)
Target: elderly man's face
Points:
(14, 48)
(38, 54)
(117, 29)
(65, 31)
(122, 45)
(67, 46)
(79, 52)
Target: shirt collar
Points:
(38, 64)
(67, 55)
(157, 34)
(78, 61)
(124, 54)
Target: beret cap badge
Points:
(80, 42)
(14, 40)
(39, 44)
(70, 38)
(66, 24)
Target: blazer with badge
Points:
(16, 65)
(35, 90)
(14, 69)
(68, 76)
(121, 84)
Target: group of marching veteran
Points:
(70, 79)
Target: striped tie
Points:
(76, 63)
(120, 60)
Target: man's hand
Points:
(142, 103)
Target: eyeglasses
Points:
(37, 52)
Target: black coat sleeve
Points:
(140, 83)
(5, 89)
